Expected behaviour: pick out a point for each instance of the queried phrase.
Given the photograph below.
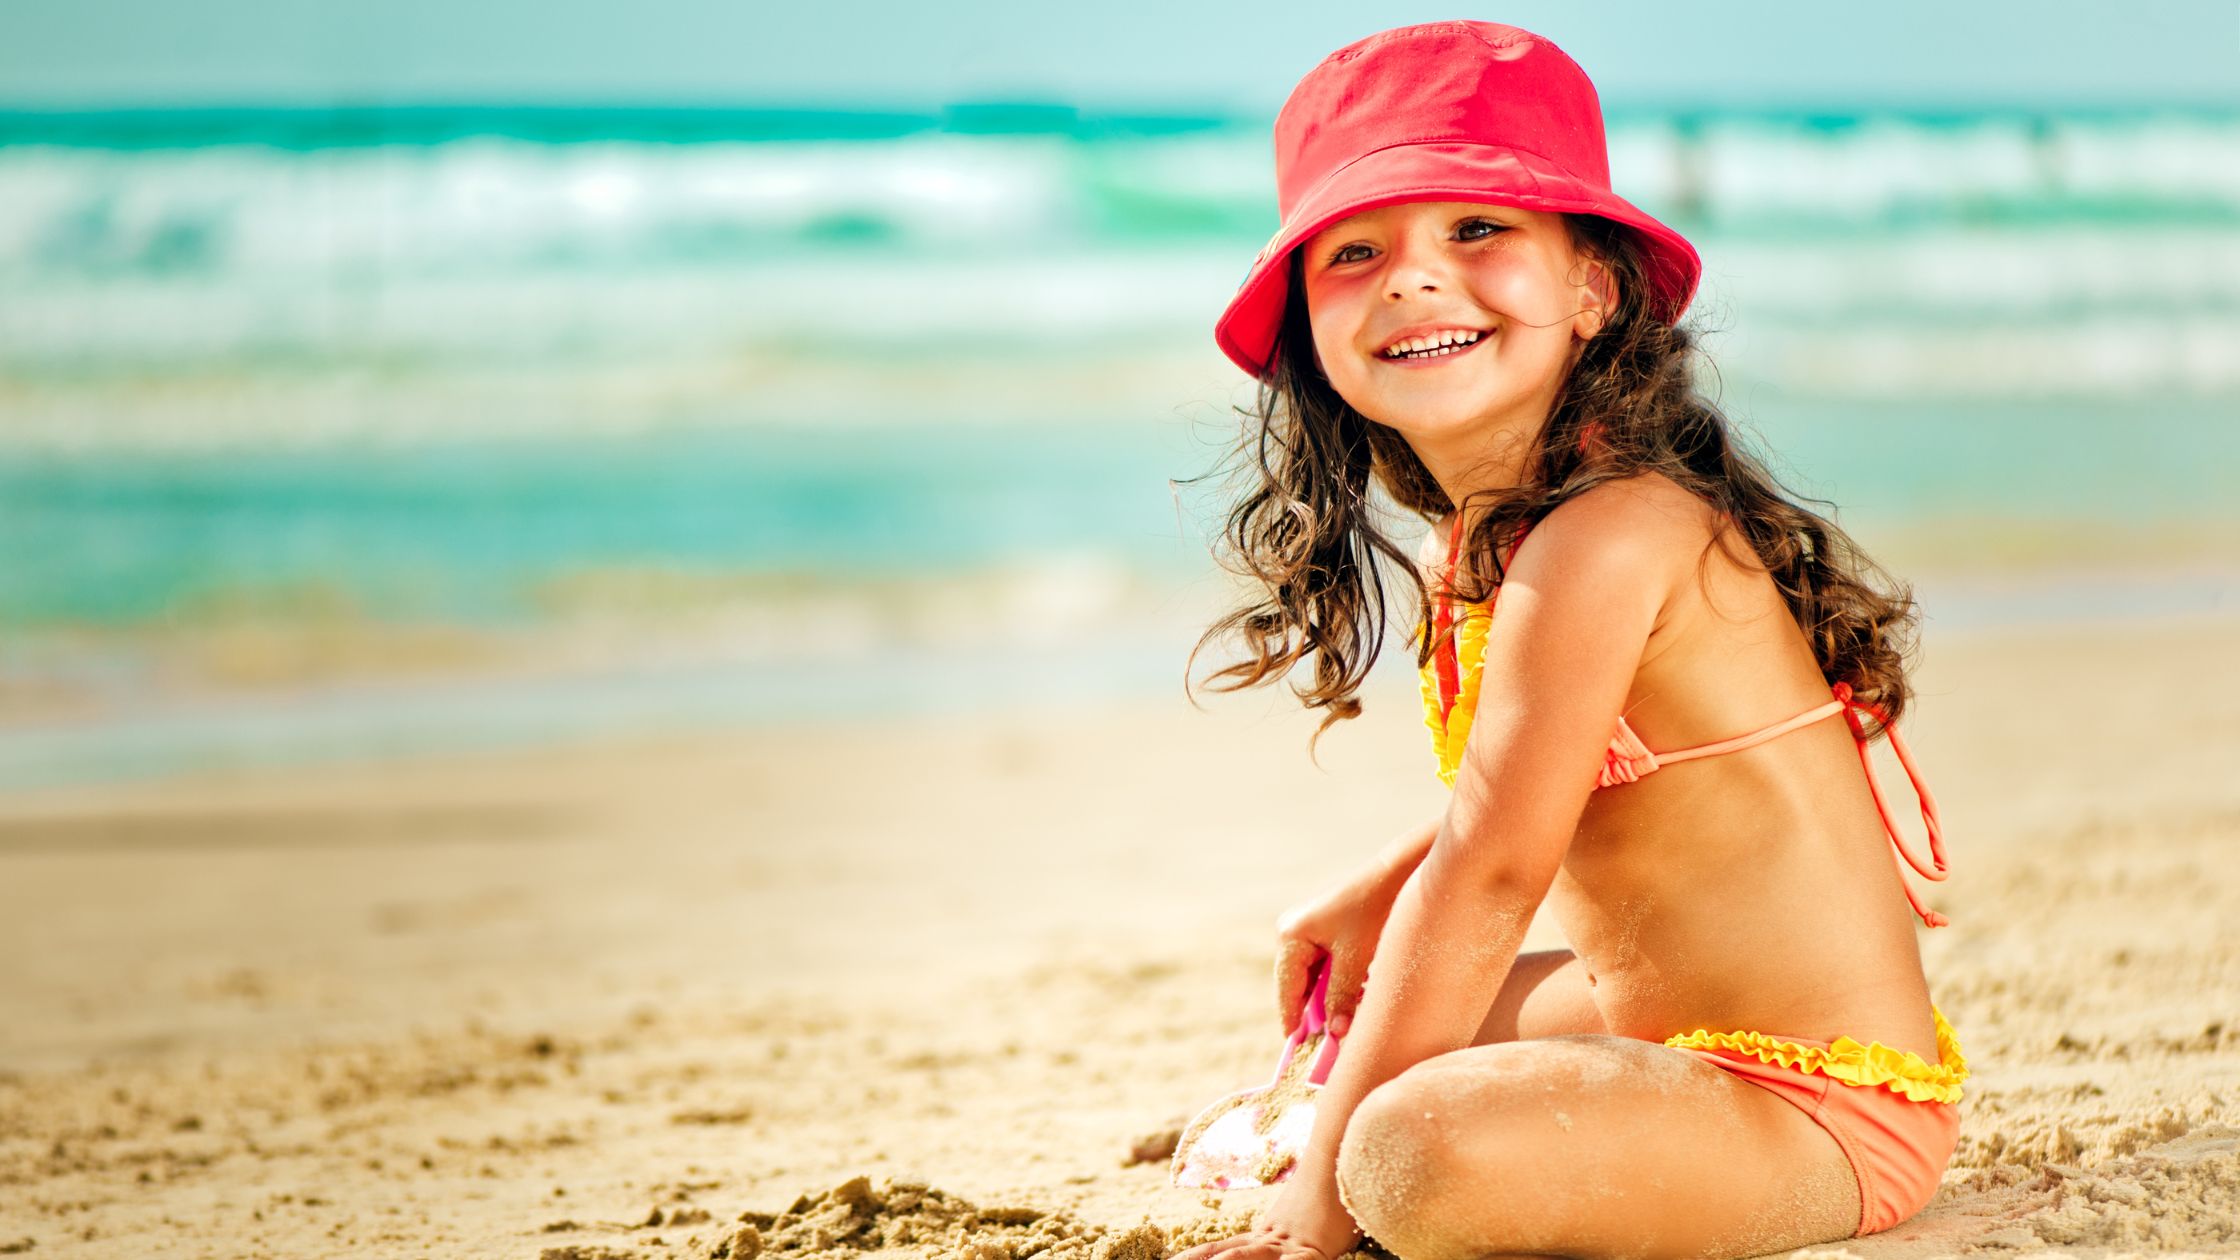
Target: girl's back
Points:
(1754, 889)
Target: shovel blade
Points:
(1247, 1139)
(1254, 1136)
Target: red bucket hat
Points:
(1441, 111)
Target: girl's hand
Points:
(1344, 924)
(1305, 1221)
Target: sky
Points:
(1167, 55)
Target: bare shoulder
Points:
(1643, 528)
(1646, 529)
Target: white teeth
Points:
(1436, 341)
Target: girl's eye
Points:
(1463, 230)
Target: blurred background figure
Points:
(423, 379)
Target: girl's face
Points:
(1385, 277)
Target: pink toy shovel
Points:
(1254, 1136)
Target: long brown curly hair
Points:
(1304, 531)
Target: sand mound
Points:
(855, 1218)
(2178, 1195)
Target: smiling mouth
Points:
(1436, 353)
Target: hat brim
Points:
(1442, 171)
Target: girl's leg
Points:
(1546, 995)
(1589, 1146)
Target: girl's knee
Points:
(1397, 1157)
(1381, 1161)
(1433, 1157)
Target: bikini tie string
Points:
(1627, 759)
(1937, 868)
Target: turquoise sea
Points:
(717, 392)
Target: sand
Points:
(936, 987)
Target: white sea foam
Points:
(2067, 255)
(488, 202)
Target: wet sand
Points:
(611, 999)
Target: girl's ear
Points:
(1598, 297)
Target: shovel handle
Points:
(1313, 1020)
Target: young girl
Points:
(1634, 645)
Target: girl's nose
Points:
(1414, 266)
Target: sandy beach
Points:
(928, 987)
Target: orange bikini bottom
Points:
(1895, 1115)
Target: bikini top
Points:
(1450, 695)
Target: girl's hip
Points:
(1895, 1115)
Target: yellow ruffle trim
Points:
(1900, 1071)
(1451, 733)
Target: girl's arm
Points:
(1572, 621)
(1399, 858)
(1343, 925)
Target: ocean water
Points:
(505, 369)
(1968, 253)
(491, 531)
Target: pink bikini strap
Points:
(1740, 742)
(1939, 870)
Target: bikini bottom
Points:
(1895, 1115)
